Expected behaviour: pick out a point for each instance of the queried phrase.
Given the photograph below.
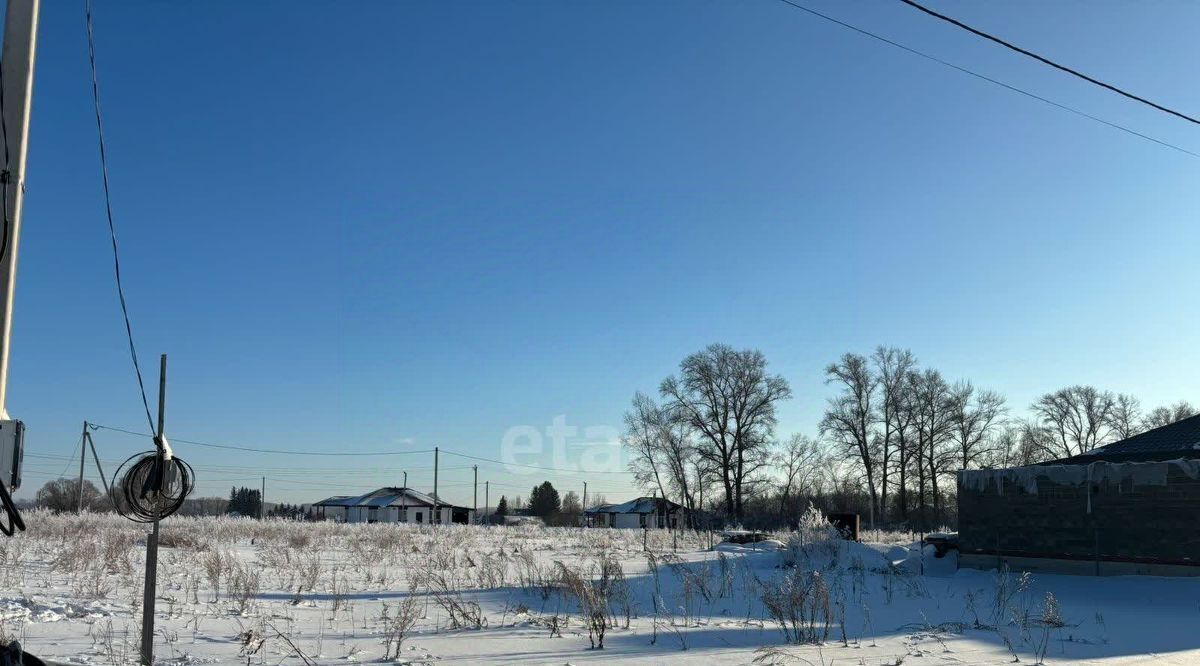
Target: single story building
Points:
(391, 505)
(643, 512)
(1126, 508)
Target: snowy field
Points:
(241, 591)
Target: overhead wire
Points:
(983, 77)
(1044, 60)
(112, 230)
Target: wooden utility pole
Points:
(437, 512)
(83, 441)
(262, 500)
(583, 517)
(487, 500)
(148, 589)
(475, 500)
(20, 46)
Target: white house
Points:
(391, 505)
(643, 512)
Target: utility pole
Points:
(83, 440)
(475, 500)
(583, 518)
(20, 46)
(148, 589)
(262, 500)
(487, 501)
(437, 512)
(404, 498)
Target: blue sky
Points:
(376, 226)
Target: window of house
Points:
(641, 520)
(420, 517)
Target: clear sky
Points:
(393, 225)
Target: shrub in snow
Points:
(815, 544)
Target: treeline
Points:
(890, 440)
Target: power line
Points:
(96, 426)
(989, 79)
(546, 469)
(1047, 61)
(112, 231)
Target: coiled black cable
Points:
(149, 486)
(15, 522)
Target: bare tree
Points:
(1125, 418)
(850, 417)
(1077, 416)
(62, 495)
(799, 461)
(1162, 416)
(892, 366)
(645, 425)
(728, 399)
(932, 424)
(975, 415)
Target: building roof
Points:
(639, 505)
(1180, 439)
(389, 496)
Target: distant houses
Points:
(392, 505)
(1125, 508)
(643, 512)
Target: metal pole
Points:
(148, 589)
(475, 500)
(20, 46)
(99, 469)
(82, 453)
(437, 512)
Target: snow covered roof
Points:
(1179, 439)
(639, 505)
(389, 496)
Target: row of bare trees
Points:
(890, 440)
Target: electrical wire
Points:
(538, 467)
(5, 175)
(95, 426)
(1047, 61)
(112, 230)
(964, 70)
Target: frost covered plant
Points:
(593, 602)
(799, 602)
(1050, 621)
(397, 625)
(815, 543)
(242, 586)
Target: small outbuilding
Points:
(1126, 508)
(643, 512)
(391, 505)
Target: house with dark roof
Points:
(643, 512)
(1129, 507)
(392, 505)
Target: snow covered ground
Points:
(241, 591)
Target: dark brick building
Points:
(1130, 507)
